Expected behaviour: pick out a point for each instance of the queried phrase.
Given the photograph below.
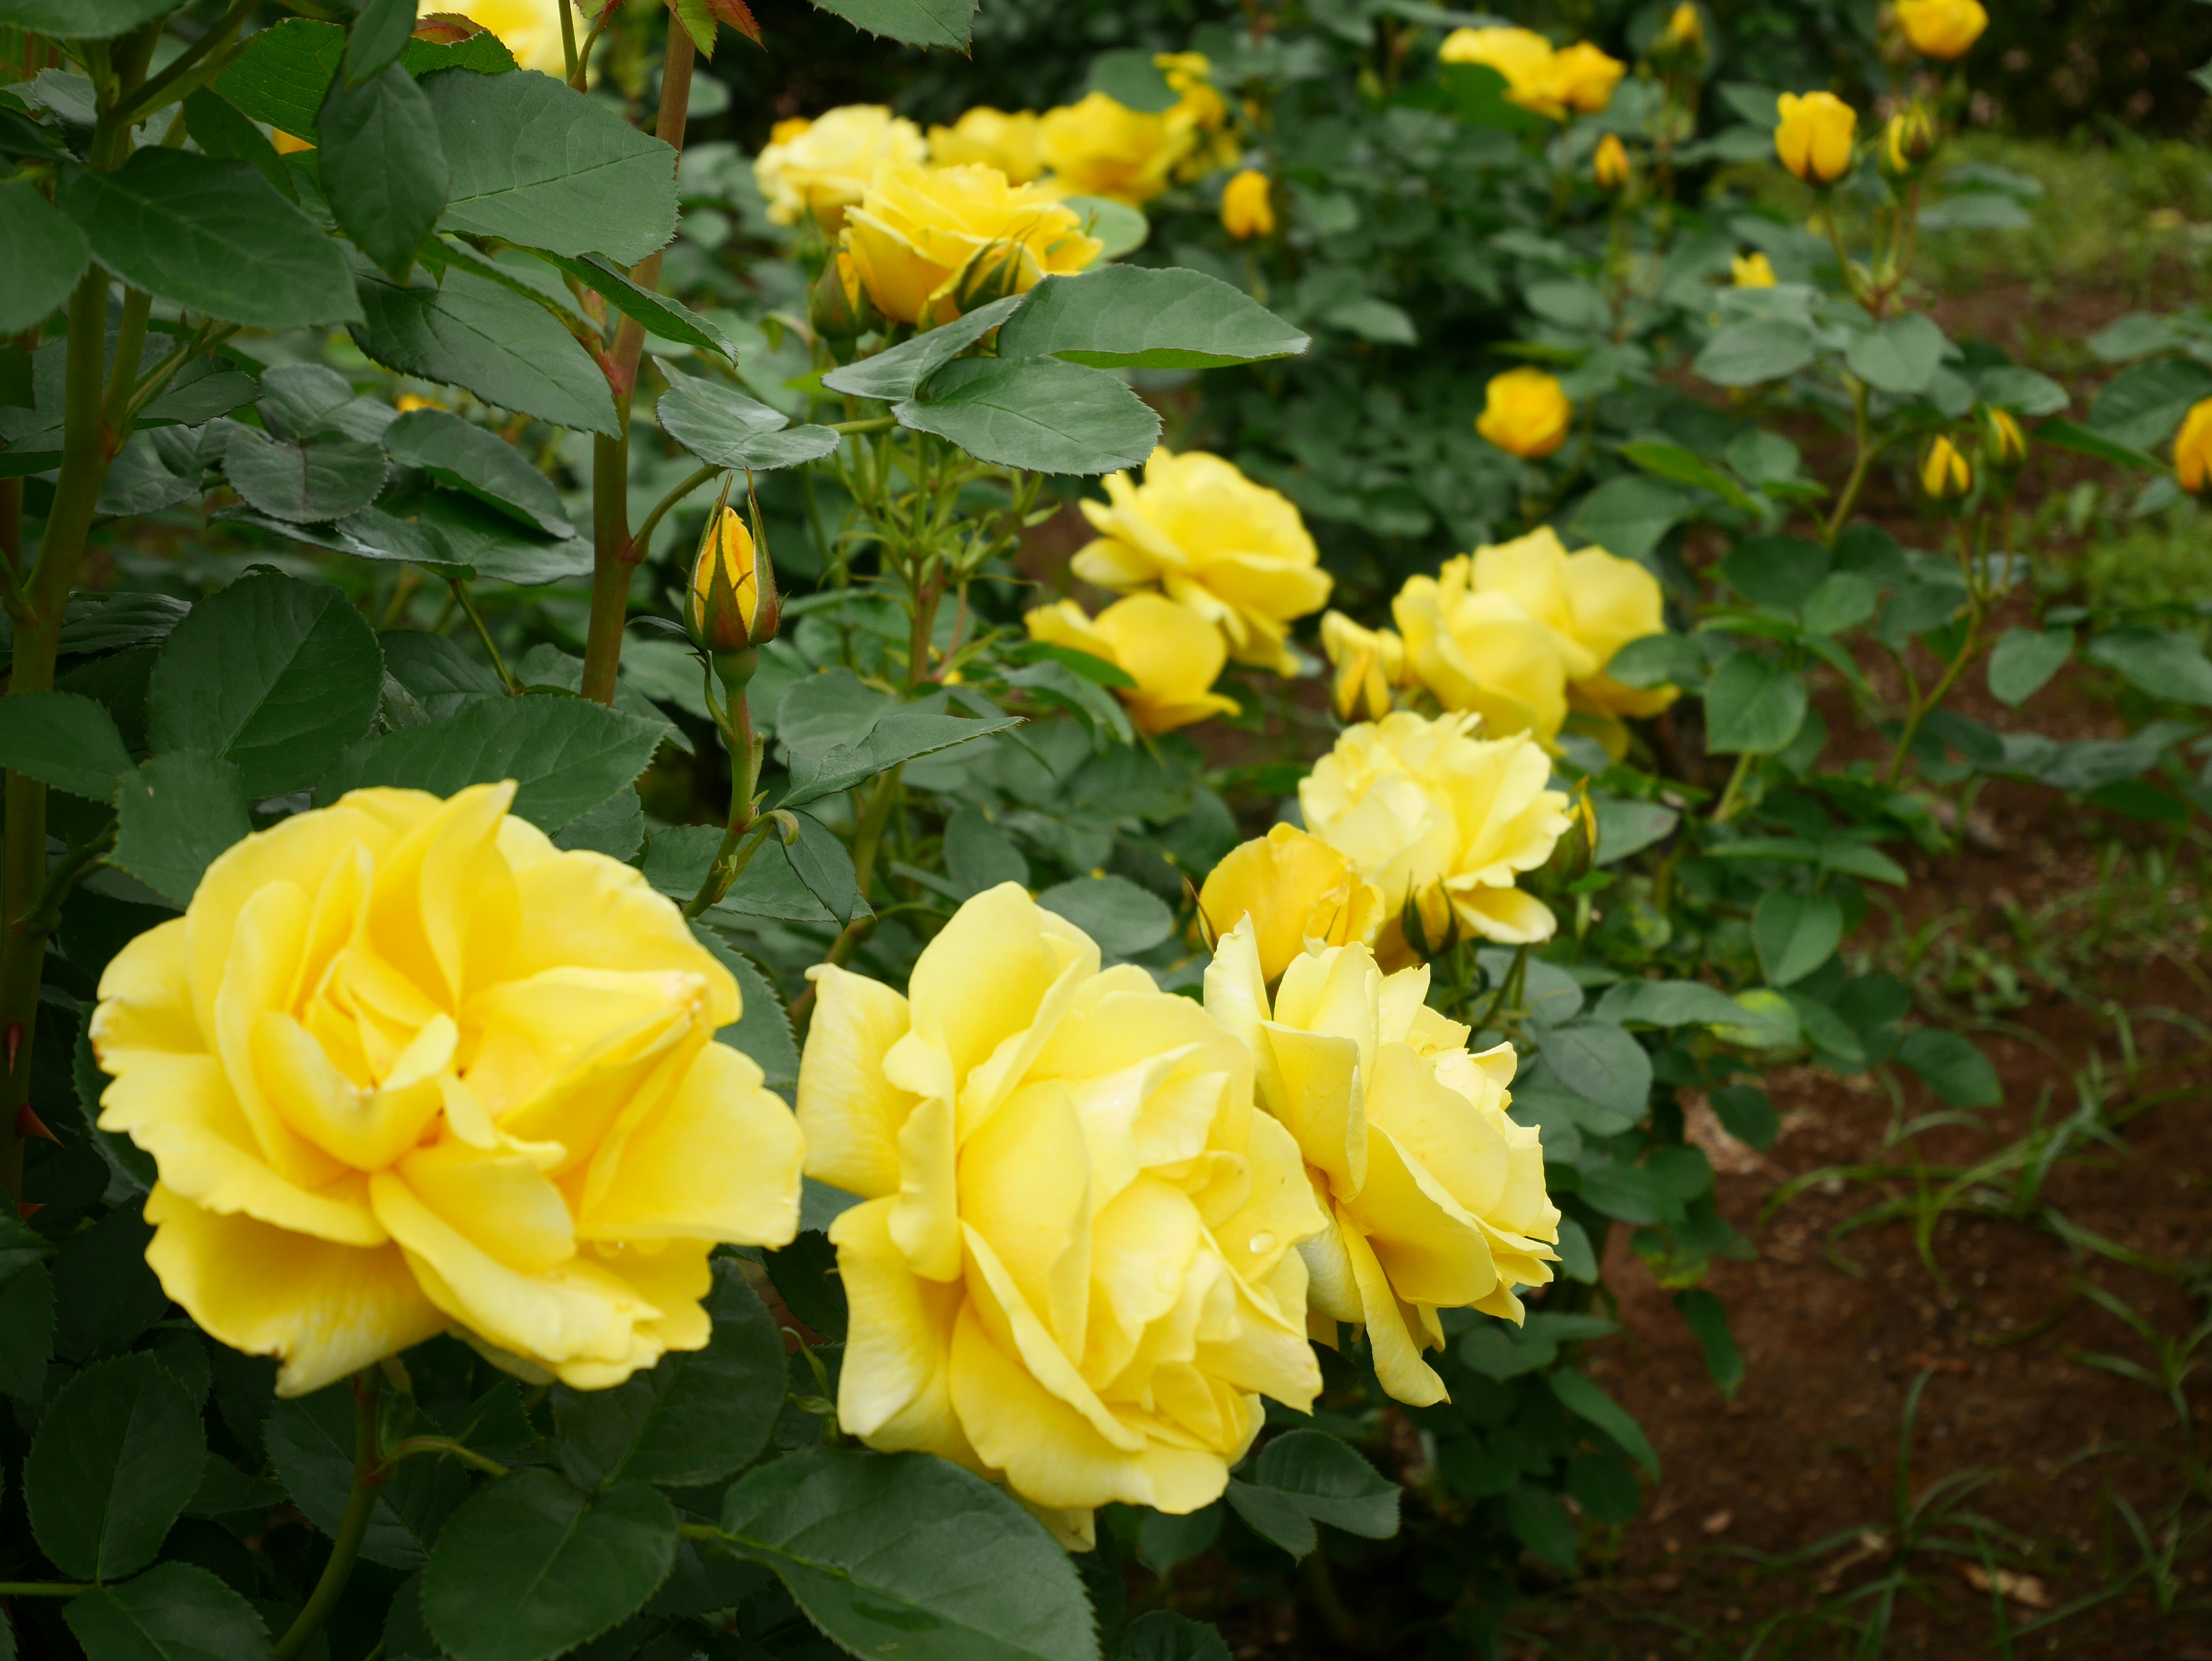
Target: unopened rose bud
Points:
(837, 306)
(1611, 165)
(2004, 447)
(1909, 142)
(2192, 451)
(1945, 474)
(1246, 210)
(733, 606)
(1815, 137)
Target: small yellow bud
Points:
(733, 604)
(2192, 451)
(2004, 447)
(1685, 29)
(1909, 143)
(837, 306)
(1945, 474)
(1526, 413)
(1752, 270)
(1943, 29)
(1246, 208)
(1611, 164)
(1816, 135)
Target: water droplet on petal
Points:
(1262, 1244)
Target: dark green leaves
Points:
(905, 1554)
(1037, 413)
(274, 674)
(173, 816)
(117, 1456)
(380, 164)
(42, 255)
(212, 236)
(898, 373)
(1593, 1406)
(65, 740)
(1752, 706)
(917, 23)
(82, 20)
(464, 455)
(1308, 1476)
(506, 349)
(173, 1612)
(323, 478)
(658, 314)
(532, 1566)
(547, 167)
(1952, 1067)
(379, 31)
(1746, 354)
(2166, 663)
(310, 1441)
(724, 429)
(567, 754)
(2141, 407)
(1123, 918)
(1900, 356)
(839, 732)
(2024, 659)
(1794, 934)
(1599, 1062)
(1129, 317)
(283, 73)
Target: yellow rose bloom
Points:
(1099, 146)
(1172, 654)
(922, 234)
(1435, 1197)
(1584, 78)
(1523, 57)
(1235, 552)
(1610, 166)
(1752, 270)
(1073, 1271)
(1814, 139)
(1482, 652)
(1526, 413)
(531, 30)
(1200, 108)
(986, 137)
(2192, 450)
(1943, 29)
(1291, 889)
(826, 165)
(406, 1067)
(1246, 212)
(1592, 603)
(1369, 663)
(1427, 813)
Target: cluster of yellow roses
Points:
(406, 1067)
(1539, 76)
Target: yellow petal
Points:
(894, 1392)
(1396, 1351)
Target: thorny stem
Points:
(367, 1476)
(613, 557)
(731, 858)
(468, 605)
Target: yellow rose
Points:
(1482, 652)
(531, 30)
(1945, 473)
(1172, 654)
(1101, 147)
(1427, 813)
(1525, 413)
(1369, 663)
(1201, 110)
(1246, 212)
(1435, 1197)
(1584, 78)
(1593, 604)
(406, 1067)
(1814, 139)
(2192, 450)
(1292, 888)
(921, 233)
(992, 138)
(827, 164)
(1752, 270)
(1610, 166)
(1235, 552)
(1943, 29)
(1523, 57)
(1073, 1269)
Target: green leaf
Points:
(220, 129)
(1123, 918)
(544, 167)
(1794, 934)
(1603, 1489)
(658, 314)
(1780, 573)
(310, 1444)
(822, 863)
(212, 236)
(131, 1165)
(1682, 466)
(282, 74)
(1625, 826)
(173, 1612)
(1541, 1523)
(1667, 1003)
(532, 1566)
(895, 374)
(1770, 1022)
(469, 458)
(1664, 660)
(1306, 1476)
(1752, 707)
(1122, 228)
(117, 1454)
(2082, 441)
(1709, 1321)
(380, 33)
(174, 816)
(1163, 1635)
(698, 1416)
(1593, 1406)
(1135, 317)
(2140, 408)
(26, 1331)
(470, 333)
(1631, 517)
(82, 20)
(1166, 1540)
(917, 23)
(567, 754)
(105, 1292)
(724, 429)
(273, 674)
(1747, 1114)
(1900, 356)
(979, 855)
(324, 477)
(1951, 1066)
(1746, 354)
(65, 740)
(1130, 77)
(2025, 660)
(805, 1274)
(839, 732)
(42, 255)
(2024, 392)
(2138, 799)
(1600, 1061)
(1841, 600)
(763, 1030)
(2168, 664)
(381, 166)
(1037, 413)
(905, 1554)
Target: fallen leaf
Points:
(1718, 1522)
(2022, 1589)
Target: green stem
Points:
(1863, 451)
(367, 1386)
(867, 838)
(877, 424)
(468, 605)
(1731, 798)
(1968, 649)
(157, 92)
(614, 556)
(123, 374)
(567, 44)
(642, 542)
(41, 1589)
(451, 1449)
